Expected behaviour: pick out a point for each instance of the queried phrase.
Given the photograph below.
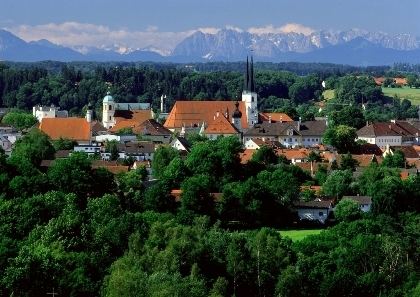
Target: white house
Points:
(41, 112)
(317, 210)
(394, 133)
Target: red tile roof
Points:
(275, 117)
(194, 113)
(69, 128)
(220, 125)
(246, 155)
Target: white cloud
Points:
(287, 28)
(72, 34)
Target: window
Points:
(110, 107)
(321, 213)
(316, 139)
(285, 140)
(109, 117)
(290, 140)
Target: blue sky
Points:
(71, 21)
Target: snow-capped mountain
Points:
(356, 47)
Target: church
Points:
(117, 116)
(215, 118)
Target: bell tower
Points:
(108, 110)
(249, 96)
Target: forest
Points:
(85, 232)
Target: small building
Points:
(314, 211)
(365, 202)
(139, 150)
(153, 131)
(181, 144)
(42, 112)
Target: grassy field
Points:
(404, 93)
(328, 94)
(296, 235)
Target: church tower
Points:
(108, 110)
(249, 96)
(236, 117)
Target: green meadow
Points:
(296, 235)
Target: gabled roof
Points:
(194, 113)
(97, 127)
(70, 128)
(138, 147)
(325, 204)
(153, 128)
(308, 128)
(220, 125)
(408, 151)
(360, 199)
(388, 129)
(184, 142)
(275, 117)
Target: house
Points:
(315, 211)
(365, 202)
(296, 155)
(111, 166)
(41, 112)
(181, 144)
(153, 131)
(8, 137)
(90, 149)
(289, 134)
(255, 144)
(192, 115)
(394, 133)
(139, 150)
(118, 115)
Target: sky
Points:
(163, 23)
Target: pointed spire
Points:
(251, 76)
(246, 77)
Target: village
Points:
(129, 134)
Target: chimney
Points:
(269, 119)
(326, 120)
(89, 115)
(299, 123)
(281, 119)
(217, 114)
(161, 103)
(393, 121)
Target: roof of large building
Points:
(130, 119)
(137, 115)
(194, 113)
(275, 117)
(69, 128)
(308, 128)
(388, 129)
(314, 204)
(220, 125)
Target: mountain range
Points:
(353, 47)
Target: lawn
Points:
(404, 93)
(296, 235)
(328, 94)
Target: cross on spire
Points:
(53, 293)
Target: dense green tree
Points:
(395, 160)
(338, 183)
(19, 120)
(347, 210)
(341, 137)
(161, 159)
